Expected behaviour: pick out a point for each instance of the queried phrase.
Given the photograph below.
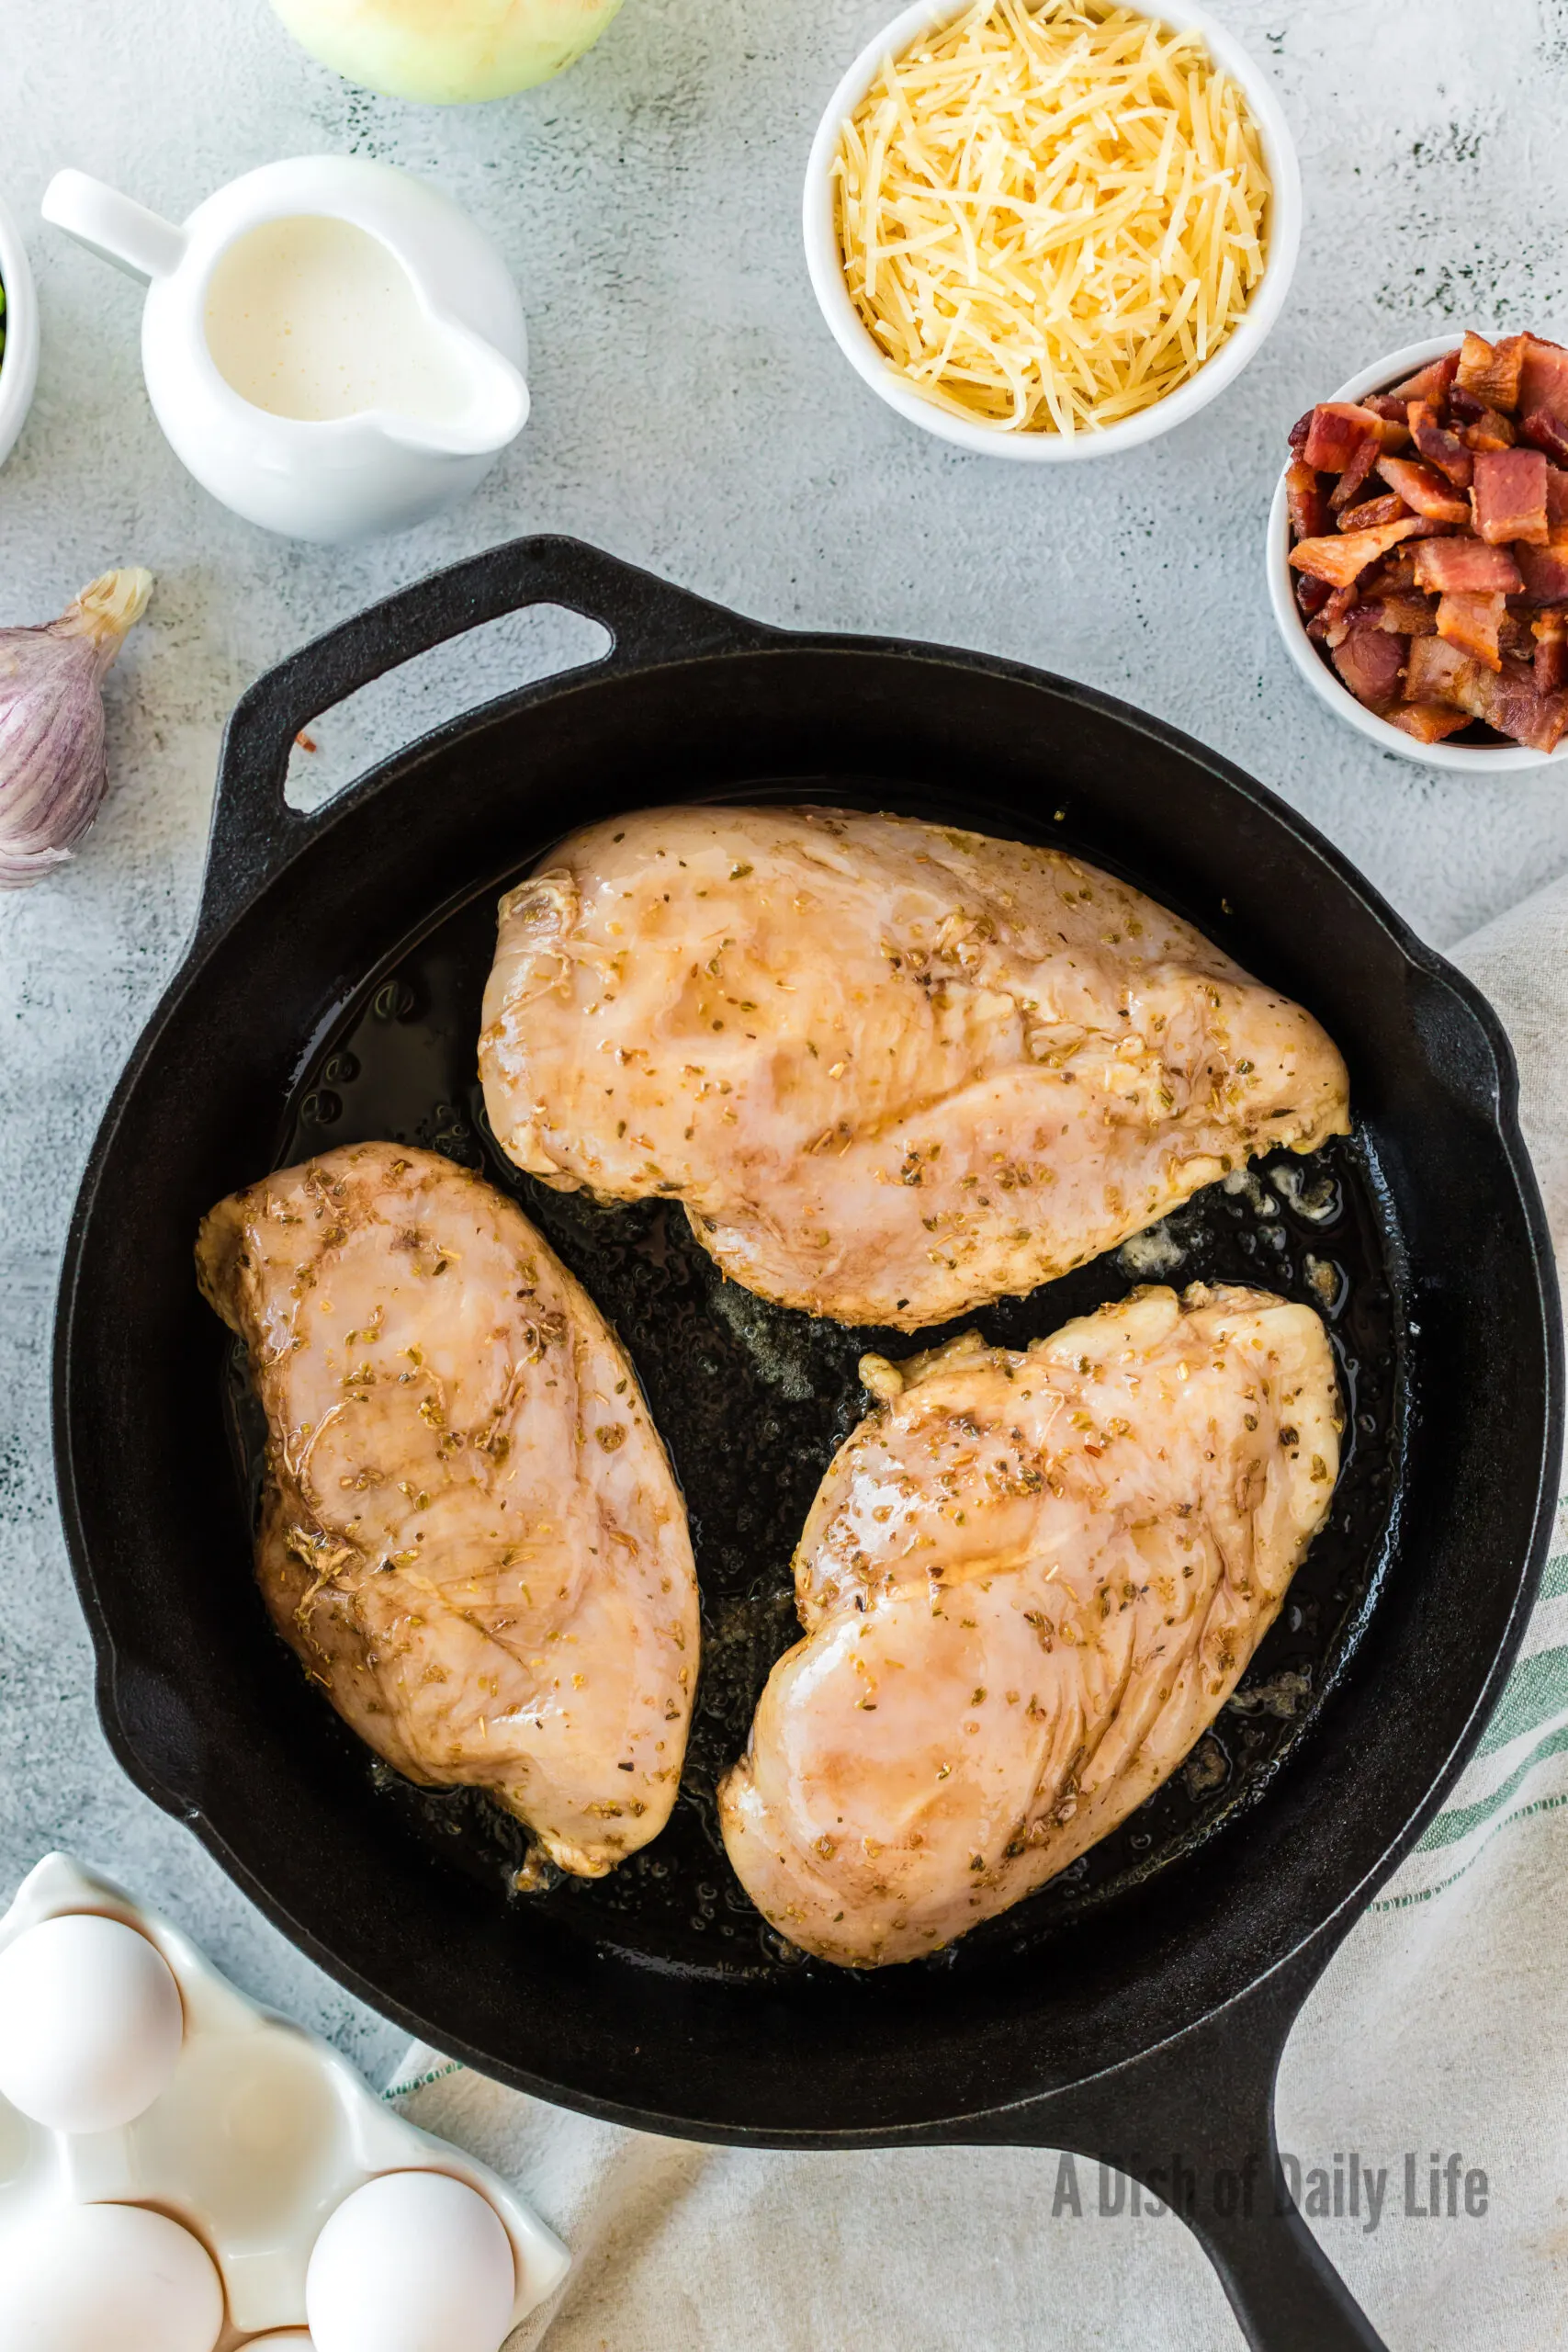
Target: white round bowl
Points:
(19, 369)
(859, 347)
(1475, 758)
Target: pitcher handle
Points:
(115, 227)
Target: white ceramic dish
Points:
(823, 261)
(259, 2135)
(19, 369)
(347, 477)
(1473, 759)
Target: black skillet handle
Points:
(1193, 2121)
(255, 832)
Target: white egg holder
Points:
(260, 2134)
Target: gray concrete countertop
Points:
(691, 414)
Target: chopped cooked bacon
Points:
(1466, 567)
(1404, 616)
(1357, 474)
(1342, 557)
(1543, 430)
(1509, 496)
(1550, 630)
(1409, 598)
(1490, 430)
(1337, 429)
(1480, 427)
(1514, 707)
(1545, 573)
(1556, 504)
(1371, 664)
(1383, 404)
(1515, 637)
(1431, 382)
(1543, 379)
(1371, 512)
(1489, 372)
(1473, 624)
(1439, 447)
(1436, 672)
(1424, 492)
(1304, 494)
(1434, 669)
(1430, 722)
(1334, 622)
(1394, 576)
(1336, 433)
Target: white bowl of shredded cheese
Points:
(1030, 269)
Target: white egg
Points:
(411, 2262)
(90, 2023)
(108, 2278)
(287, 2340)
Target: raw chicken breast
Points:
(1030, 1581)
(470, 1532)
(891, 1070)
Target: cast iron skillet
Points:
(1135, 2017)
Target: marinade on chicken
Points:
(891, 1070)
(1029, 1583)
(470, 1532)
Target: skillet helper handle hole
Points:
(404, 706)
(255, 832)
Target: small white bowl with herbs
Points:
(19, 334)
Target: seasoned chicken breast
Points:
(892, 1070)
(470, 1532)
(1029, 1583)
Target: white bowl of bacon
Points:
(1418, 552)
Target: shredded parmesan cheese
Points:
(1050, 216)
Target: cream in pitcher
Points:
(331, 346)
(314, 318)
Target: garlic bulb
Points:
(52, 771)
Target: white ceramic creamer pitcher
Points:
(332, 347)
